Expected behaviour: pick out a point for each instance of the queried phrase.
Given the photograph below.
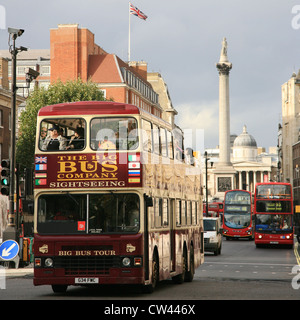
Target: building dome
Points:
(244, 147)
(245, 140)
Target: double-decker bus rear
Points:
(273, 207)
(215, 209)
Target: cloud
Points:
(202, 119)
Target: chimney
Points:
(140, 67)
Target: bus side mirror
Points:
(148, 201)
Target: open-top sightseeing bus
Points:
(115, 203)
(273, 208)
(237, 220)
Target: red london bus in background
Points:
(215, 209)
(237, 220)
(273, 208)
(115, 203)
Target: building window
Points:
(45, 70)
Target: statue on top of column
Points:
(224, 66)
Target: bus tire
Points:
(179, 279)
(189, 276)
(154, 277)
(59, 288)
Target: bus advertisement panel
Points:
(114, 201)
(237, 221)
(273, 207)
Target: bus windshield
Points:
(275, 191)
(237, 220)
(114, 133)
(88, 213)
(270, 223)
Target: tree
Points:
(58, 92)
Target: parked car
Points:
(212, 235)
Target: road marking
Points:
(296, 252)
(255, 264)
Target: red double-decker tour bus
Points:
(115, 203)
(273, 208)
(237, 221)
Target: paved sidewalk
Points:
(20, 272)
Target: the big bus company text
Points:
(273, 208)
(237, 221)
(115, 200)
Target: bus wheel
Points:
(59, 288)
(155, 276)
(180, 277)
(189, 276)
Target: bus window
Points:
(165, 212)
(61, 213)
(194, 213)
(157, 213)
(114, 213)
(170, 145)
(107, 213)
(163, 137)
(178, 144)
(147, 135)
(183, 213)
(188, 213)
(178, 212)
(62, 134)
(114, 133)
(156, 145)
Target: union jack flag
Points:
(135, 11)
(40, 159)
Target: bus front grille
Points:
(87, 265)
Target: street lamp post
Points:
(10, 232)
(206, 183)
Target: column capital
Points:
(224, 68)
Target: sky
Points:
(182, 40)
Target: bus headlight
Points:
(260, 236)
(126, 262)
(49, 262)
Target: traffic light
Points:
(5, 177)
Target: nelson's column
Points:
(224, 173)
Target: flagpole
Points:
(129, 33)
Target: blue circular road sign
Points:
(9, 249)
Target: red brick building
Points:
(74, 54)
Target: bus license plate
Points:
(273, 242)
(86, 280)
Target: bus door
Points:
(172, 234)
(148, 202)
